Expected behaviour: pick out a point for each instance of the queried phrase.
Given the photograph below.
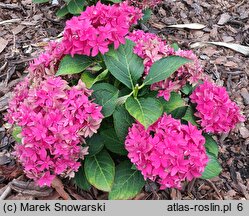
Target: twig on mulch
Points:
(215, 188)
(191, 185)
(4, 101)
(22, 60)
(10, 6)
(6, 193)
(29, 188)
(3, 67)
(59, 187)
(75, 195)
(5, 89)
(10, 72)
(10, 21)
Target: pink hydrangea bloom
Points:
(191, 72)
(167, 152)
(151, 48)
(55, 119)
(47, 62)
(216, 111)
(20, 93)
(98, 27)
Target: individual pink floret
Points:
(55, 119)
(98, 27)
(216, 111)
(167, 152)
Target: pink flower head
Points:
(47, 62)
(216, 111)
(151, 48)
(191, 72)
(20, 93)
(167, 152)
(99, 26)
(55, 119)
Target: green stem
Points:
(123, 99)
(135, 91)
(116, 83)
(101, 61)
(141, 86)
(101, 57)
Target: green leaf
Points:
(124, 65)
(80, 179)
(95, 144)
(74, 65)
(127, 183)
(16, 133)
(189, 116)
(164, 68)
(124, 91)
(187, 89)
(212, 169)
(211, 145)
(179, 112)
(145, 110)
(147, 14)
(174, 102)
(100, 170)
(76, 6)
(40, 1)
(112, 143)
(122, 121)
(105, 95)
(175, 46)
(146, 92)
(89, 79)
(133, 167)
(62, 11)
(115, 1)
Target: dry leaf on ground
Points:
(195, 26)
(236, 47)
(3, 44)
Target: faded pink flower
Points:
(20, 93)
(216, 111)
(99, 26)
(167, 152)
(151, 48)
(55, 119)
(191, 72)
(47, 62)
(46, 179)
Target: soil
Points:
(25, 28)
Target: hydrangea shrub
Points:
(55, 120)
(114, 108)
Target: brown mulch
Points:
(24, 30)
